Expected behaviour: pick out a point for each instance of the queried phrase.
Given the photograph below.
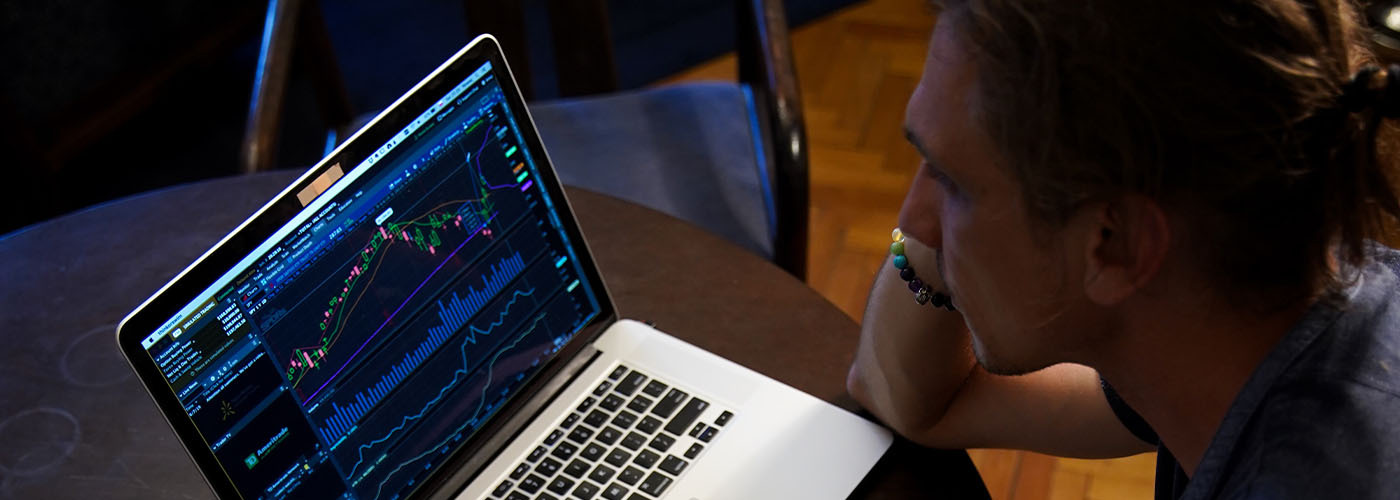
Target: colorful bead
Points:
(921, 296)
(922, 293)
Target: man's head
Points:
(1085, 154)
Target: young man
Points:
(1155, 222)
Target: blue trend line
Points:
(470, 339)
(477, 160)
(400, 308)
(490, 374)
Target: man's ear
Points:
(1126, 247)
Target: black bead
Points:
(939, 299)
(906, 274)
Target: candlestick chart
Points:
(383, 271)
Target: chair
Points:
(728, 157)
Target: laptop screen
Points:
(350, 354)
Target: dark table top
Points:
(74, 422)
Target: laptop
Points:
(418, 316)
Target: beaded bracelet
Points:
(922, 293)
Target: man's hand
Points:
(915, 368)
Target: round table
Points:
(74, 422)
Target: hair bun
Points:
(1373, 88)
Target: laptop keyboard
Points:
(629, 439)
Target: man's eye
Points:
(943, 179)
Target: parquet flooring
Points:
(856, 69)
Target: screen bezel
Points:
(198, 276)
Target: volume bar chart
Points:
(458, 310)
(452, 315)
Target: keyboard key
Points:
(614, 491)
(655, 388)
(564, 450)
(694, 450)
(708, 434)
(686, 416)
(602, 388)
(546, 496)
(601, 474)
(585, 491)
(577, 468)
(569, 421)
(637, 496)
(639, 404)
(553, 438)
(516, 495)
(618, 457)
(593, 452)
(630, 384)
(662, 442)
(561, 485)
(502, 488)
(624, 419)
(699, 427)
(630, 475)
(723, 418)
(580, 435)
(655, 484)
(609, 436)
(586, 404)
(611, 402)
(519, 471)
(535, 455)
(617, 373)
(634, 441)
(668, 404)
(649, 424)
(646, 459)
(673, 465)
(531, 484)
(548, 467)
(596, 419)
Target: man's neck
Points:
(1181, 367)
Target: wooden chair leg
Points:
(270, 85)
(315, 51)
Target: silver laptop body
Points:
(418, 316)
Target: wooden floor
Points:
(857, 69)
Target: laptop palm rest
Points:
(782, 443)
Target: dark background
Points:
(170, 81)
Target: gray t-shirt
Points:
(1320, 416)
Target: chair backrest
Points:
(585, 64)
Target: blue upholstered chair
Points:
(730, 157)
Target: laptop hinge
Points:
(510, 428)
